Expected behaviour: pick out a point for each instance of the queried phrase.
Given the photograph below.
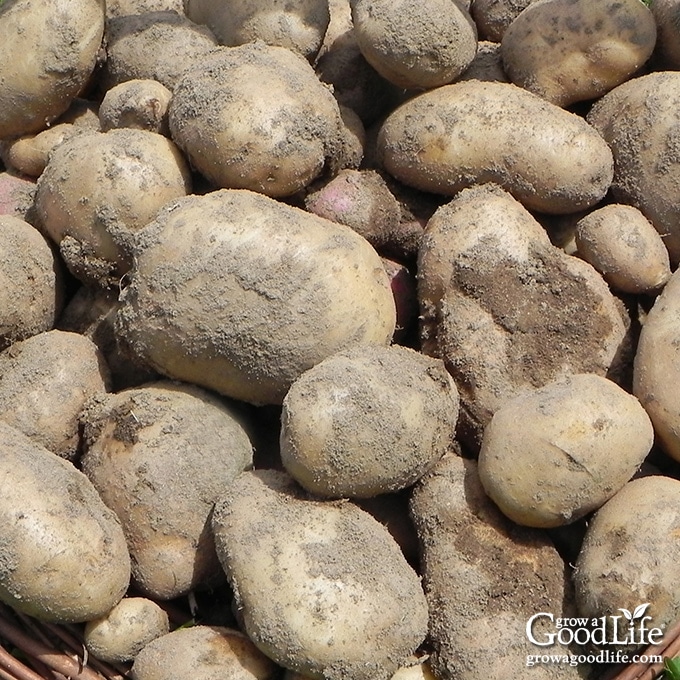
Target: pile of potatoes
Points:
(351, 326)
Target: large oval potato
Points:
(553, 455)
(312, 578)
(239, 293)
(474, 132)
(639, 121)
(63, 555)
(656, 374)
(572, 50)
(47, 53)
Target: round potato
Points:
(493, 17)
(474, 132)
(31, 282)
(160, 455)
(122, 633)
(625, 248)
(311, 578)
(299, 26)
(367, 421)
(98, 189)
(415, 46)
(241, 294)
(656, 374)
(47, 53)
(639, 122)
(255, 117)
(573, 50)
(139, 104)
(203, 653)
(556, 454)
(63, 556)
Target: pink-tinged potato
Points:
(16, 195)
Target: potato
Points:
(487, 64)
(474, 132)
(630, 561)
(288, 123)
(160, 455)
(120, 635)
(45, 382)
(64, 557)
(404, 289)
(16, 196)
(30, 280)
(625, 248)
(311, 579)
(506, 310)
(139, 104)
(367, 421)
(203, 653)
(484, 577)
(117, 8)
(98, 188)
(415, 46)
(273, 292)
(574, 50)
(298, 26)
(157, 45)
(46, 56)
(667, 16)
(556, 454)
(493, 17)
(639, 122)
(656, 374)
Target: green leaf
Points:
(672, 668)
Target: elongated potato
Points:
(63, 555)
(47, 53)
(573, 50)
(656, 374)
(312, 578)
(474, 132)
(242, 294)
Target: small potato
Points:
(493, 17)
(625, 248)
(554, 455)
(574, 50)
(313, 578)
(122, 633)
(667, 16)
(29, 154)
(47, 54)
(630, 555)
(63, 556)
(153, 46)
(203, 653)
(299, 26)
(16, 196)
(638, 120)
(656, 374)
(45, 382)
(255, 117)
(31, 282)
(475, 132)
(98, 189)
(487, 64)
(241, 294)
(367, 421)
(139, 104)
(420, 45)
(160, 455)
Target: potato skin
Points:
(367, 421)
(630, 553)
(573, 50)
(63, 39)
(299, 288)
(311, 578)
(474, 132)
(553, 455)
(63, 557)
(288, 122)
(656, 373)
(638, 121)
(415, 46)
